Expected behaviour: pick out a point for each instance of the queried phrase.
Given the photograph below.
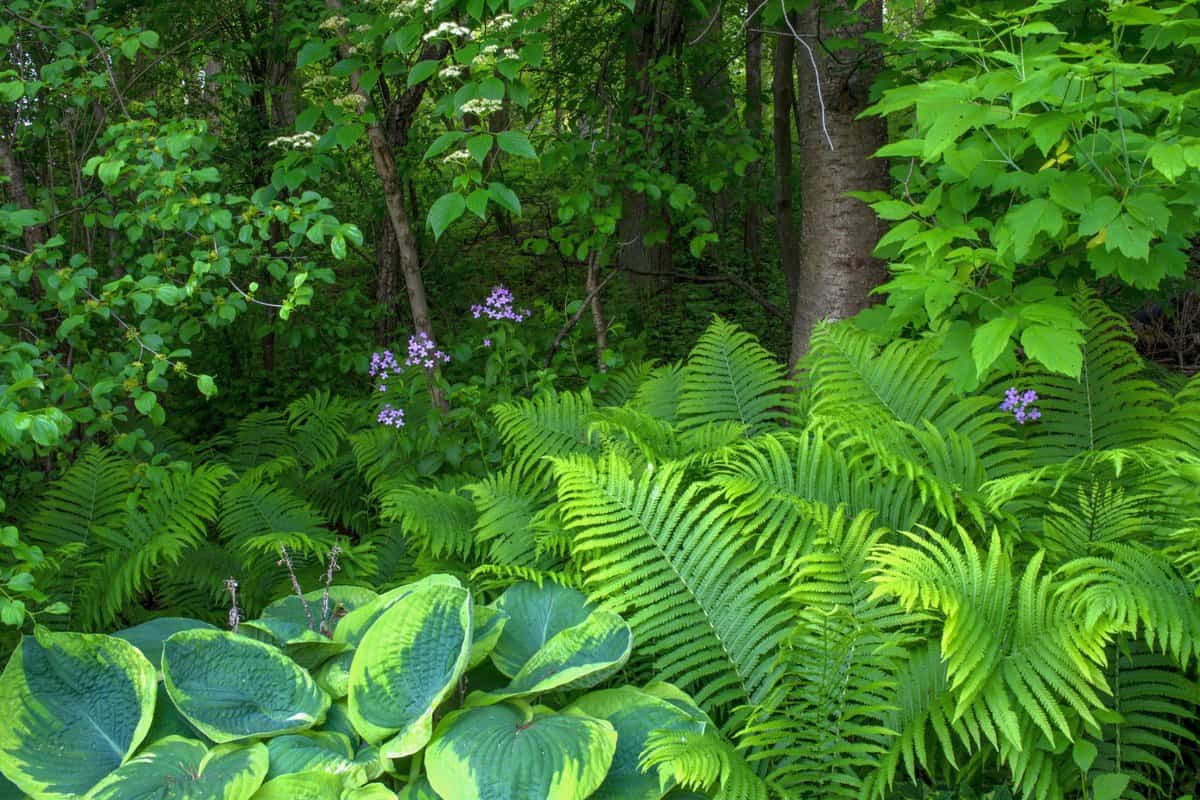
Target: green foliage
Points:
(1036, 145)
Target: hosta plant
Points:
(344, 694)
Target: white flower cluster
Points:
(457, 157)
(510, 53)
(333, 23)
(490, 49)
(481, 107)
(301, 141)
(504, 21)
(452, 71)
(447, 30)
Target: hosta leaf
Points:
(576, 658)
(488, 626)
(176, 768)
(342, 600)
(75, 706)
(634, 713)
(334, 675)
(307, 648)
(168, 721)
(301, 786)
(232, 687)
(419, 790)
(407, 663)
(510, 751)
(372, 791)
(536, 614)
(323, 752)
(149, 636)
(354, 625)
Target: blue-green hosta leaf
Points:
(334, 675)
(324, 752)
(149, 636)
(176, 768)
(372, 791)
(408, 662)
(168, 721)
(634, 713)
(488, 626)
(511, 751)
(232, 687)
(576, 658)
(355, 625)
(337, 720)
(74, 707)
(307, 648)
(301, 786)
(418, 790)
(535, 615)
(342, 600)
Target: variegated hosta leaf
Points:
(307, 648)
(418, 790)
(488, 626)
(535, 615)
(324, 752)
(232, 687)
(149, 636)
(372, 791)
(342, 600)
(634, 713)
(73, 707)
(168, 721)
(409, 660)
(302, 786)
(509, 750)
(337, 720)
(334, 675)
(176, 768)
(575, 658)
(355, 625)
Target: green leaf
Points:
(504, 197)
(324, 752)
(109, 171)
(232, 687)
(145, 402)
(1059, 349)
(176, 768)
(337, 246)
(443, 143)
(206, 385)
(479, 146)
(347, 134)
(535, 615)
(149, 636)
(302, 786)
(634, 713)
(408, 662)
(446, 210)
(1168, 159)
(1109, 786)
(516, 143)
(487, 627)
(76, 706)
(990, 341)
(1084, 754)
(561, 756)
(422, 71)
(11, 91)
(477, 203)
(1103, 211)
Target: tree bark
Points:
(752, 233)
(781, 124)
(838, 235)
(33, 235)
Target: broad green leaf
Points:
(576, 658)
(634, 713)
(511, 751)
(168, 721)
(535, 615)
(342, 600)
(487, 627)
(149, 636)
(232, 687)
(420, 790)
(1168, 159)
(444, 211)
(323, 752)
(206, 385)
(479, 146)
(75, 707)
(990, 341)
(1084, 754)
(176, 768)
(516, 143)
(408, 662)
(1109, 786)
(308, 649)
(372, 791)
(422, 71)
(505, 197)
(443, 143)
(301, 786)
(355, 624)
(1059, 349)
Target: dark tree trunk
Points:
(752, 235)
(839, 233)
(781, 124)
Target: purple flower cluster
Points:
(499, 305)
(384, 364)
(391, 416)
(422, 352)
(1021, 405)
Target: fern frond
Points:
(257, 518)
(730, 377)
(703, 762)
(438, 522)
(659, 394)
(623, 383)
(90, 497)
(551, 425)
(259, 437)
(506, 507)
(711, 613)
(319, 425)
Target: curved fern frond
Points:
(319, 425)
(438, 522)
(551, 425)
(711, 613)
(703, 762)
(659, 394)
(90, 497)
(730, 377)
(257, 518)
(506, 507)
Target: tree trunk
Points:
(752, 235)
(34, 235)
(387, 285)
(593, 290)
(837, 270)
(781, 123)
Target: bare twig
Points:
(235, 616)
(332, 568)
(574, 320)
(286, 561)
(816, 73)
(715, 16)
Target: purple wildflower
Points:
(487, 342)
(391, 416)
(383, 364)
(423, 351)
(1020, 405)
(499, 305)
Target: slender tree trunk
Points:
(593, 290)
(752, 235)
(781, 123)
(839, 233)
(34, 235)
